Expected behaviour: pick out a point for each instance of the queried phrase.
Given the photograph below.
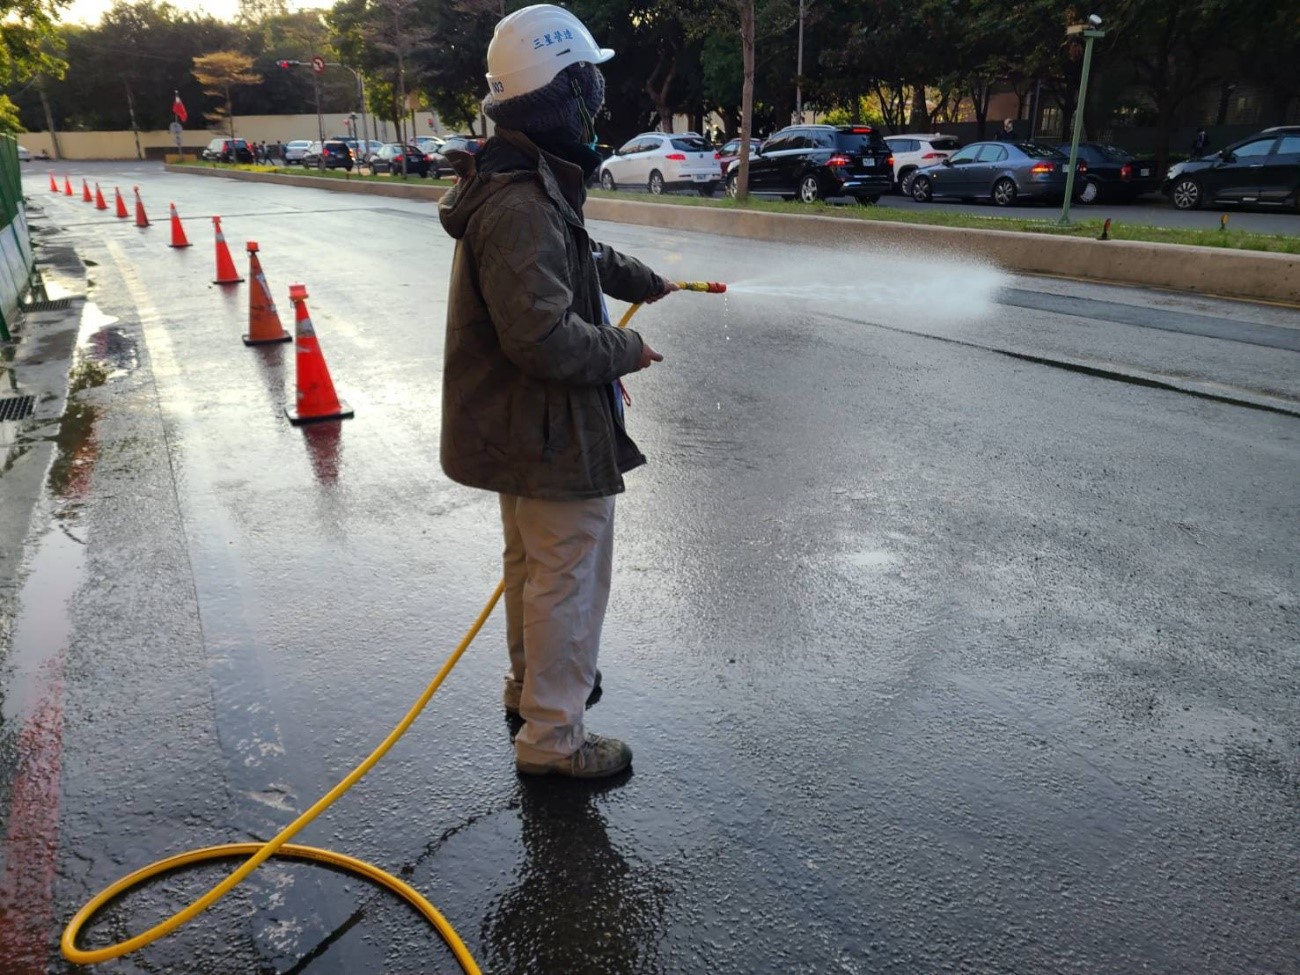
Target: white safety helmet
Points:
(531, 46)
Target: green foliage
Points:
(10, 123)
(900, 63)
(29, 39)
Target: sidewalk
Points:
(34, 382)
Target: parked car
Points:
(295, 150)
(429, 143)
(362, 149)
(454, 143)
(731, 150)
(1004, 172)
(228, 150)
(1263, 170)
(812, 162)
(1114, 174)
(913, 151)
(395, 159)
(330, 154)
(660, 161)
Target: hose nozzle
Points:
(709, 287)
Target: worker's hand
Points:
(669, 288)
(648, 355)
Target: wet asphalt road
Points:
(937, 653)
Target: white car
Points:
(660, 161)
(295, 150)
(915, 151)
(24, 155)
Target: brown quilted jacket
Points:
(527, 398)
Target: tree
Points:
(221, 72)
(1177, 50)
(30, 51)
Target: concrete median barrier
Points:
(1213, 271)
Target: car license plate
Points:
(702, 177)
(1144, 172)
(868, 162)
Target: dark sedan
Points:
(455, 143)
(1004, 172)
(398, 159)
(1263, 170)
(1114, 174)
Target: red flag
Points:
(178, 109)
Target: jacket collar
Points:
(563, 180)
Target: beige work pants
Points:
(558, 557)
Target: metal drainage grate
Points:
(17, 407)
(58, 304)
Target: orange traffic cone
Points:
(99, 199)
(316, 397)
(263, 320)
(54, 184)
(120, 205)
(226, 273)
(67, 185)
(141, 218)
(178, 232)
(86, 195)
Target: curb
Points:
(1224, 272)
(418, 191)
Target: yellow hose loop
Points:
(260, 852)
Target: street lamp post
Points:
(1090, 34)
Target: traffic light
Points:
(284, 64)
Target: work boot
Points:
(510, 697)
(598, 758)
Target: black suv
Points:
(333, 154)
(1263, 170)
(812, 162)
(228, 150)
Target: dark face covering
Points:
(560, 142)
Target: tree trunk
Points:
(135, 129)
(920, 114)
(980, 94)
(1165, 106)
(746, 96)
(230, 113)
(49, 118)
(659, 93)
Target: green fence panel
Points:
(16, 257)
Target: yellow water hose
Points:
(707, 287)
(279, 845)
(276, 846)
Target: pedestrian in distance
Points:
(1200, 144)
(1008, 131)
(532, 405)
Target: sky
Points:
(89, 11)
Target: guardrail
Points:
(16, 258)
